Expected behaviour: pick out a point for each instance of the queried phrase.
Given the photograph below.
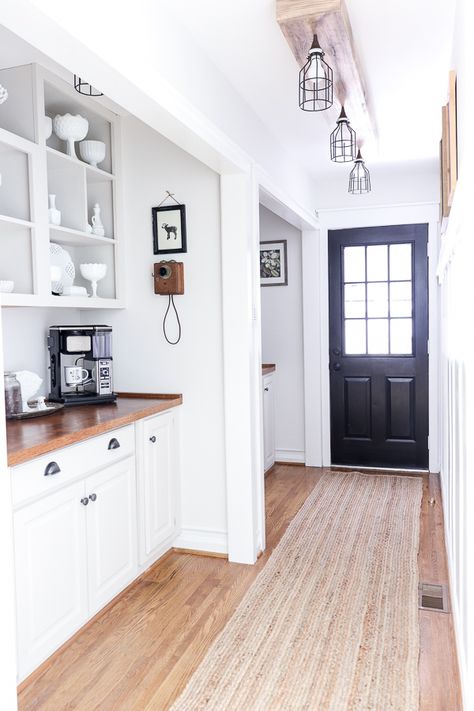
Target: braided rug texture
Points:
(331, 622)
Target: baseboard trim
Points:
(458, 629)
(290, 456)
(201, 540)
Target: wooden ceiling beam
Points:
(299, 20)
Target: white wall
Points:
(165, 61)
(282, 340)
(24, 337)
(143, 361)
(457, 361)
(394, 184)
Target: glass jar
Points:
(13, 404)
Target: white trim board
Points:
(291, 456)
(316, 332)
(201, 539)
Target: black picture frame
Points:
(174, 226)
(279, 248)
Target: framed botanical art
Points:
(452, 136)
(273, 263)
(169, 229)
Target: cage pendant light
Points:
(343, 140)
(315, 84)
(359, 179)
(83, 87)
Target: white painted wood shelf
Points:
(33, 167)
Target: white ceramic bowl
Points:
(48, 126)
(93, 272)
(70, 128)
(6, 286)
(92, 152)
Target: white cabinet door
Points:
(268, 422)
(157, 484)
(51, 573)
(111, 531)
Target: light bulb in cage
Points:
(359, 179)
(315, 83)
(342, 141)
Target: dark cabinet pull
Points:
(84, 501)
(113, 444)
(52, 468)
(153, 439)
(266, 390)
(93, 497)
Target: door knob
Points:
(337, 366)
(153, 439)
(93, 497)
(84, 501)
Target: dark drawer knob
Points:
(153, 439)
(266, 390)
(93, 497)
(113, 444)
(84, 501)
(52, 468)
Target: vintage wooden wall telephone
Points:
(168, 277)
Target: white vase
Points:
(97, 226)
(70, 129)
(54, 214)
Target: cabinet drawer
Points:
(51, 471)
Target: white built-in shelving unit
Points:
(32, 168)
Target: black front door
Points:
(378, 336)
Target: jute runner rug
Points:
(331, 622)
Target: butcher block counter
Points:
(30, 438)
(268, 368)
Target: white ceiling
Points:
(404, 47)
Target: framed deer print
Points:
(169, 229)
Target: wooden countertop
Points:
(27, 439)
(268, 368)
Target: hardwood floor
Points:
(140, 653)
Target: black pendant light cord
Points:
(171, 302)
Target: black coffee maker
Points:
(80, 360)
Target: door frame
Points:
(316, 341)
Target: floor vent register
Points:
(432, 596)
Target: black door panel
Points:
(378, 312)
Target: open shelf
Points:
(66, 235)
(56, 102)
(14, 188)
(16, 255)
(64, 302)
(15, 221)
(18, 111)
(33, 168)
(94, 174)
